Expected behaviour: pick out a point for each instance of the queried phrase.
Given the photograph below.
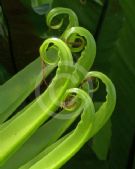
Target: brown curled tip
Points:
(77, 43)
(69, 103)
(94, 82)
(86, 80)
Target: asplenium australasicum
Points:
(28, 128)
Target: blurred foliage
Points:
(3, 27)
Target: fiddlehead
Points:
(106, 109)
(73, 20)
(72, 143)
(87, 49)
(39, 113)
